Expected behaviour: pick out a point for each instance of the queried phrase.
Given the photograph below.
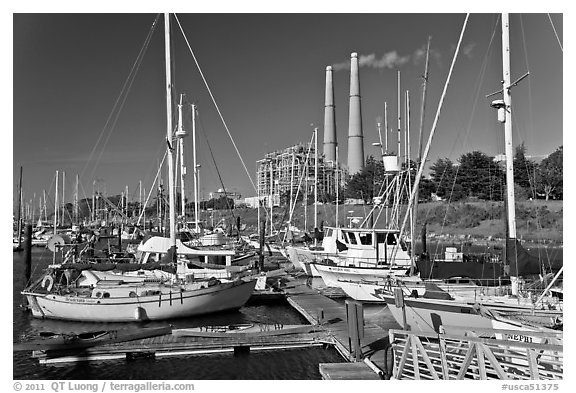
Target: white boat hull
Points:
(427, 315)
(332, 275)
(165, 305)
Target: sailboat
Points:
(80, 295)
(425, 314)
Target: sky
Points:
(266, 72)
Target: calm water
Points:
(286, 364)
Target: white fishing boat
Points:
(371, 254)
(80, 295)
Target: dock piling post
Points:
(28, 252)
(261, 255)
(355, 317)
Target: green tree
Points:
(362, 184)
(549, 176)
(443, 175)
(479, 176)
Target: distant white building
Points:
(264, 201)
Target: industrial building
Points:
(292, 170)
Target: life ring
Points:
(48, 282)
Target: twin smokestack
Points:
(355, 137)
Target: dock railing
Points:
(477, 354)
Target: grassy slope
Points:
(536, 220)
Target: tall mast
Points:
(172, 210)
(271, 196)
(55, 216)
(180, 134)
(316, 185)
(19, 215)
(508, 126)
(337, 186)
(63, 197)
(56, 205)
(93, 200)
(45, 211)
(76, 207)
(508, 142)
(196, 184)
(420, 133)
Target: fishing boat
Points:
(371, 254)
(79, 295)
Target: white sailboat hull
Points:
(427, 315)
(165, 305)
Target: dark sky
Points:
(267, 74)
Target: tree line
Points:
(474, 175)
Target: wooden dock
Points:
(330, 314)
(176, 345)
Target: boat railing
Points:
(486, 354)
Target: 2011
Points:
(34, 386)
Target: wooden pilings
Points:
(28, 252)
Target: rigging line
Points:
(152, 188)
(215, 104)
(553, 28)
(117, 115)
(137, 61)
(216, 166)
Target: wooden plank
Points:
(347, 371)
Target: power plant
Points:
(278, 173)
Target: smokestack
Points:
(330, 141)
(355, 137)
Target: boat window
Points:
(366, 239)
(391, 239)
(380, 238)
(328, 232)
(350, 236)
(106, 295)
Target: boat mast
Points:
(196, 186)
(180, 134)
(337, 187)
(506, 93)
(316, 185)
(56, 208)
(420, 133)
(63, 197)
(172, 211)
(76, 207)
(19, 217)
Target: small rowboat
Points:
(244, 330)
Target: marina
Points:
(385, 266)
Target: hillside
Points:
(536, 220)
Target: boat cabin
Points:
(371, 246)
